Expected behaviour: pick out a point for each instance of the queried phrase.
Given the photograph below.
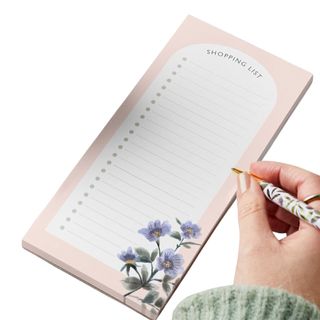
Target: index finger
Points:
(297, 181)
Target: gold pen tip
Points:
(236, 170)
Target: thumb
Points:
(252, 214)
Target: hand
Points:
(292, 263)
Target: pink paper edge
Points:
(192, 30)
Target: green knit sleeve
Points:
(245, 302)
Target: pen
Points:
(285, 200)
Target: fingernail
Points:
(244, 181)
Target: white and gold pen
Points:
(285, 200)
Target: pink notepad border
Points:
(291, 81)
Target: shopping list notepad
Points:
(136, 210)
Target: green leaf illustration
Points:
(159, 302)
(167, 278)
(288, 204)
(150, 296)
(303, 217)
(186, 245)
(122, 268)
(131, 283)
(313, 220)
(192, 243)
(179, 222)
(148, 286)
(263, 184)
(309, 208)
(144, 255)
(177, 281)
(154, 311)
(166, 287)
(176, 235)
(144, 273)
(154, 254)
(268, 194)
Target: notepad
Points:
(136, 210)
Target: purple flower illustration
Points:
(190, 230)
(152, 262)
(155, 230)
(170, 262)
(128, 257)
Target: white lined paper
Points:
(170, 155)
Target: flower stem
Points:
(128, 293)
(151, 267)
(138, 273)
(152, 275)
(142, 284)
(158, 245)
(179, 244)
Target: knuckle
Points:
(248, 208)
(311, 179)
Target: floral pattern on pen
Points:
(287, 201)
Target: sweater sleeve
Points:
(245, 302)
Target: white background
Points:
(65, 67)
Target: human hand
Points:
(292, 263)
